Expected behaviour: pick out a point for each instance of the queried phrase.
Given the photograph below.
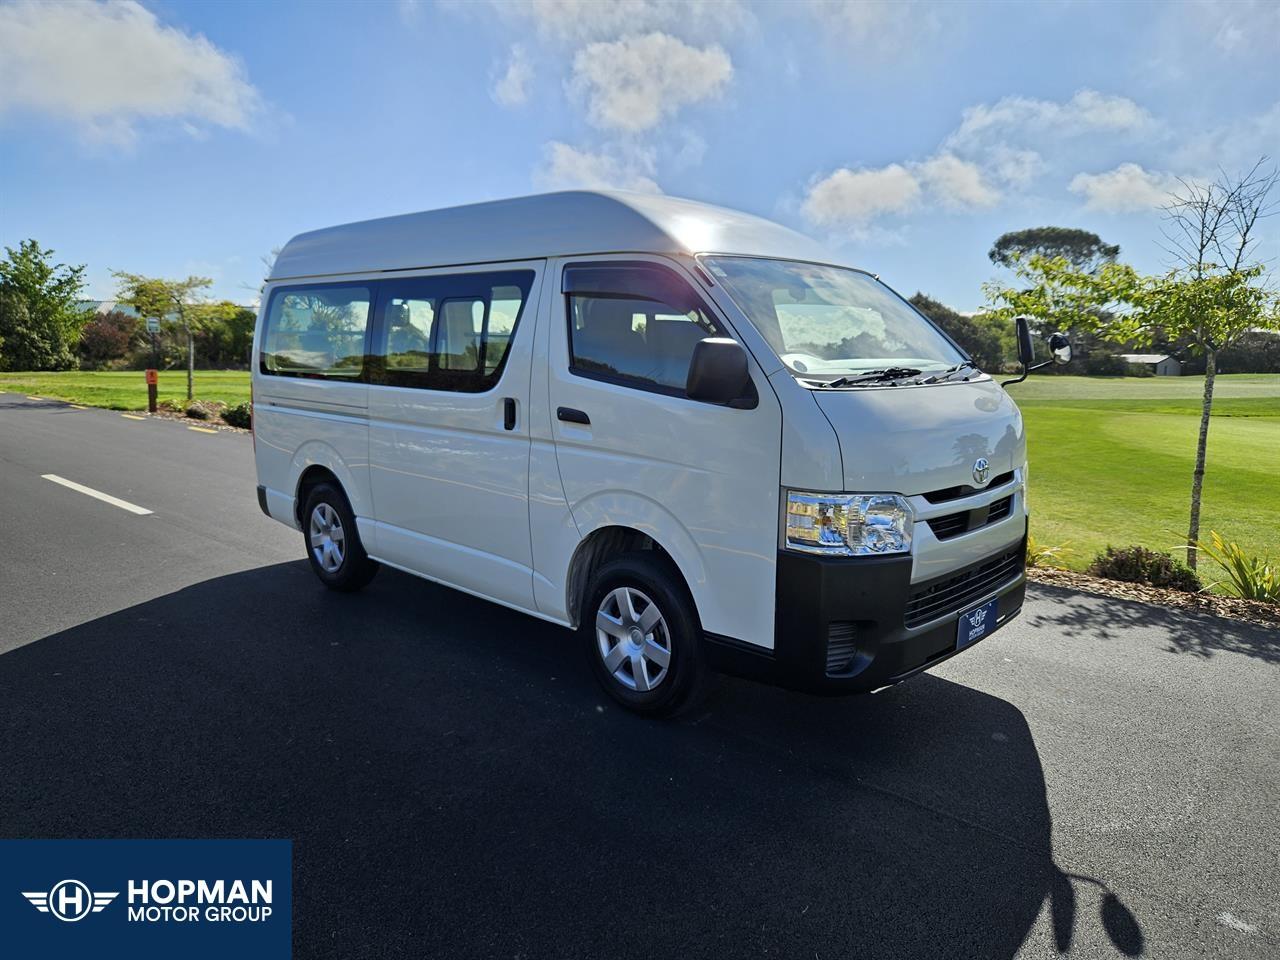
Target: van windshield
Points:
(828, 323)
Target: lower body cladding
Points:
(855, 624)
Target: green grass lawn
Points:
(1111, 462)
(127, 390)
(1111, 458)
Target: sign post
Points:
(151, 389)
(153, 328)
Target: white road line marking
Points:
(96, 494)
(1235, 923)
(130, 416)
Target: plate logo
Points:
(70, 900)
(981, 470)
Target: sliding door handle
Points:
(508, 414)
(570, 415)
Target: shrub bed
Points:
(1140, 565)
(240, 415)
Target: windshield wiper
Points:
(873, 376)
(950, 371)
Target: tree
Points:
(1213, 296)
(226, 333)
(107, 337)
(981, 338)
(168, 301)
(1082, 249)
(40, 319)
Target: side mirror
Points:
(718, 373)
(1060, 348)
(1026, 349)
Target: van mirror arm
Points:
(1059, 349)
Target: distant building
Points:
(1161, 364)
(101, 307)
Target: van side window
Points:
(316, 331)
(447, 332)
(635, 325)
(409, 323)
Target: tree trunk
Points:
(1197, 478)
(191, 370)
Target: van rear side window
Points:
(316, 331)
(447, 332)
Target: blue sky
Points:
(175, 137)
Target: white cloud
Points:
(634, 83)
(876, 28)
(567, 167)
(957, 184)
(583, 21)
(1125, 189)
(511, 89)
(1013, 118)
(1015, 167)
(1239, 141)
(853, 197)
(107, 66)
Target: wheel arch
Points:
(316, 462)
(604, 544)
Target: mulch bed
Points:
(211, 424)
(1230, 608)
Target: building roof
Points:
(1145, 357)
(528, 228)
(106, 306)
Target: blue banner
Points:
(143, 899)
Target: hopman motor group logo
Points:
(70, 900)
(162, 901)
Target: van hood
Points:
(917, 439)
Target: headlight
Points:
(848, 524)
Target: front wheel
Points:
(643, 637)
(333, 543)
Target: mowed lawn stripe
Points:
(1119, 472)
(126, 389)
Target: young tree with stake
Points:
(163, 300)
(1215, 292)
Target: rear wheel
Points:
(643, 637)
(333, 543)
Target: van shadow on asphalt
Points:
(455, 785)
(1189, 631)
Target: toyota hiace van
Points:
(689, 434)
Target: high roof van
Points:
(687, 433)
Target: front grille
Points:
(999, 510)
(954, 524)
(842, 646)
(955, 493)
(953, 592)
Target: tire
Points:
(628, 659)
(333, 542)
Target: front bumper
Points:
(855, 624)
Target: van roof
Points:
(544, 225)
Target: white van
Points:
(681, 430)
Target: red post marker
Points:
(152, 380)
